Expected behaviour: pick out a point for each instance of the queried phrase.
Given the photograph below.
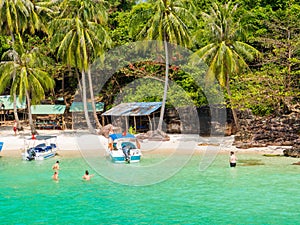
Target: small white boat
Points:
(39, 148)
(124, 148)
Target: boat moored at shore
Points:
(39, 148)
(124, 148)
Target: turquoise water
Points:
(261, 194)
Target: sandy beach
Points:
(67, 142)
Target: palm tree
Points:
(23, 70)
(16, 17)
(167, 21)
(226, 54)
(82, 39)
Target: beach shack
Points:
(48, 116)
(141, 116)
(77, 111)
(7, 107)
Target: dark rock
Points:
(273, 130)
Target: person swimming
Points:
(87, 176)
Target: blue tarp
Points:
(1, 145)
(120, 135)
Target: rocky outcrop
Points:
(274, 130)
(294, 151)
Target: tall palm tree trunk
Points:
(16, 110)
(84, 101)
(163, 105)
(79, 83)
(98, 125)
(32, 127)
(14, 93)
(234, 114)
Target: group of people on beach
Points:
(55, 168)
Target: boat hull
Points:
(39, 156)
(120, 158)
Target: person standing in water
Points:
(55, 176)
(232, 160)
(55, 167)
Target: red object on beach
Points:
(33, 137)
(124, 133)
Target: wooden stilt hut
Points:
(48, 116)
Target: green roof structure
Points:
(47, 109)
(6, 103)
(78, 107)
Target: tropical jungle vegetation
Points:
(251, 48)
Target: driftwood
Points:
(155, 135)
(105, 130)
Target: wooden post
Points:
(72, 121)
(126, 123)
(134, 121)
(103, 121)
(150, 123)
(154, 119)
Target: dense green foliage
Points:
(271, 83)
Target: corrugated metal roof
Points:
(133, 109)
(78, 107)
(47, 109)
(7, 101)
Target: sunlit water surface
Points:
(259, 194)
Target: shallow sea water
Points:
(260, 194)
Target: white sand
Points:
(67, 142)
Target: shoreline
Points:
(68, 144)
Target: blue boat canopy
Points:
(120, 135)
(133, 109)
